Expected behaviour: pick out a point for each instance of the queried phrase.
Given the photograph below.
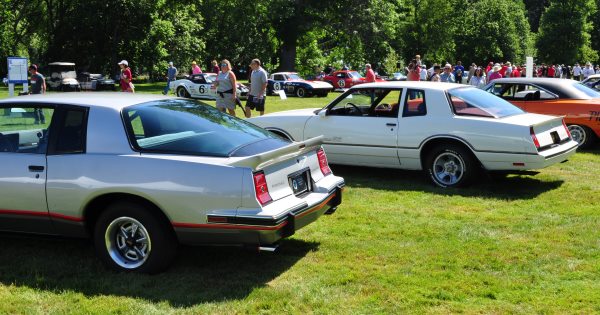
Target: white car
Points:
(141, 173)
(200, 86)
(449, 130)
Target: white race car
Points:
(449, 130)
(201, 86)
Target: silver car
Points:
(141, 173)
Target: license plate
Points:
(299, 182)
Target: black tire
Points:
(181, 92)
(451, 165)
(301, 92)
(583, 135)
(153, 237)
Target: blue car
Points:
(292, 84)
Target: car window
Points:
(278, 77)
(71, 132)
(587, 91)
(368, 103)
(24, 129)
(187, 127)
(341, 75)
(414, 104)
(526, 92)
(471, 101)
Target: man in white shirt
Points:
(588, 70)
(423, 73)
(577, 72)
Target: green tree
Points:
(564, 35)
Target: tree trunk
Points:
(287, 57)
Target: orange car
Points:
(561, 97)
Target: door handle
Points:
(391, 124)
(36, 168)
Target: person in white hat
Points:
(171, 76)
(126, 77)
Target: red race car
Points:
(344, 79)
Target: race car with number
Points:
(201, 86)
(292, 84)
(345, 79)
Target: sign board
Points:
(281, 94)
(17, 70)
(529, 67)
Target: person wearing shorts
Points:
(226, 88)
(258, 88)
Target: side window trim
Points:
(405, 112)
(57, 124)
(32, 105)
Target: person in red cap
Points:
(126, 77)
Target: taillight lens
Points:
(566, 129)
(534, 138)
(323, 164)
(260, 186)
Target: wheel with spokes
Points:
(582, 135)
(130, 238)
(450, 166)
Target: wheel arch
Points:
(96, 206)
(429, 144)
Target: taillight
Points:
(260, 186)
(534, 138)
(566, 129)
(323, 164)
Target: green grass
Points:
(522, 244)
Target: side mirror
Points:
(323, 113)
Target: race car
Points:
(292, 84)
(344, 79)
(201, 86)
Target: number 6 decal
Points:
(341, 83)
(201, 89)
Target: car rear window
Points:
(585, 90)
(192, 128)
(471, 101)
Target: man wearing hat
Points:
(126, 77)
(171, 76)
(38, 86)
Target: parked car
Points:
(344, 79)
(397, 76)
(62, 77)
(551, 96)
(140, 173)
(292, 84)
(449, 130)
(200, 86)
(592, 81)
(95, 82)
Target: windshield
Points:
(587, 91)
(188, 127)
(210, 78)
(354, 74)
(294, 76)
(472, 101)
(63, 72)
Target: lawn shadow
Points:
(513, 187)
(198, 275)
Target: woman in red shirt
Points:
(126, 77)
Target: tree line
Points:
(300, 35)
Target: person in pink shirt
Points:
(195, 68)
(369, 73)
(414, 71)
(495, 73)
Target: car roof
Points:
(284, 73)
(115, 100)
(441, 86)
(61, 64)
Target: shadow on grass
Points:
(198, 275)
(514, 187)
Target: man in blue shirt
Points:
(459, 71)
(171, 76)
(38, 86)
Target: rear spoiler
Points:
(265, 159)
(556, 118)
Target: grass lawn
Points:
(522, 244)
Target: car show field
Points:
(510, 244)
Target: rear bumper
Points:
(258, 231)
(519, 162)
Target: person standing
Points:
(435, 77)
(258, 88)
(423, 72)
(577, 72)
(447, 76)
(588, 70)
(459, 71)
(195, 68)
(495, 73)
(215, 67)
(126, 77)
(414, 71)
(369, 73)
(226, 84)
(478, 79)
(38, 86)
(171, 76)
